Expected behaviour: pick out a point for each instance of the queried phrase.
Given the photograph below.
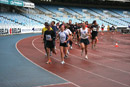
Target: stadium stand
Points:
(47, 13)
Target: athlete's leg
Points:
(54, 51)
(86, 47)
(92, 43)
(82, 47)
(96, 38)
(68, 48)
(65, 51)
(45, 47)
(71, 39)
(78, 40)
(62, 54)
(48, 55)
(86, 50)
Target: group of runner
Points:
(67, 34)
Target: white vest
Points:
(83, 33)
(63, 36)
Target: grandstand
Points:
(35, 15)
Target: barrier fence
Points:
(11, 31)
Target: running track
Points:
(16, 71)
(107, 66)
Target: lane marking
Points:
(99, 63)
(40, 66)
(55, 84)
(115, 54)
(102, 64)
(81, 68)
(102, 47)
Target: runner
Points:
(108, 28)
(43, 31)
(70, 35)
(113, 29)
(84, 33)
(64, 38)
(72, 30)
(49, 38)
(94, 33)
(102, 28)
(77, 32)
(86, 24)
(55, 29)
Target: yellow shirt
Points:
(45, 29)
(108, 28)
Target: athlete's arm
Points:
(79, 33)
(98, 28)
(53, 35)
(42, 33)
(89, 32)
(44, 36)
(67, 39)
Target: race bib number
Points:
(94, 29)
(48, 37)
(84, 35)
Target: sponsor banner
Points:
(4, 31)
(15, 30)
(12, 2)
(9, 31)
(16, 2)
(4, 1)
(37, 29)
(28, 4)
(19, 30)
(31, 30)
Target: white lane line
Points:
(83, 69)
(114, 54)
(100, 63)
(40, 66)
(102, 47)
(56, 84)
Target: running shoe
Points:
(65, 56)
(62, 62)
(71, 47)
(86, 57)
(48, 62)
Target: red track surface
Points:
(107, 66)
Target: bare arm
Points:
(79, 33)
(67, 39)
